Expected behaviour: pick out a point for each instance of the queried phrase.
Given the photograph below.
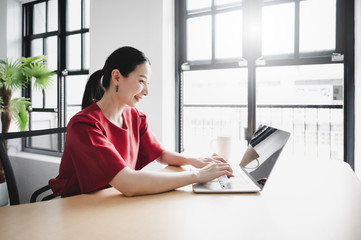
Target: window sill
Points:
(36, 157)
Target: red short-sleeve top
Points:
(96, 150)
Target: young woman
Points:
(109, 141)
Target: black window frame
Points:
(344, 45)
(61, 71)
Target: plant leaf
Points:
(11, 74)
(41, 73)
(36, 59)
(18, 108)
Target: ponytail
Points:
(93, 89)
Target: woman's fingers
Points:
(218, 158)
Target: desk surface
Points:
(302, 200)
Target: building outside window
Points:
(58, 29)
(245, 63)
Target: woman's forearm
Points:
(173, 158)
(132, 183)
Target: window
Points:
(58, 29)
(279, 62)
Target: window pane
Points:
(36, 98)
(75, 86)
(199, 37)
(46, 142)
(313, 115)
(51, 94)
(51, 52)
(86, 13)
(50, 97)
(37, 47)
(73, 15)
(317, 25)
(73, 53)
(229, 35)
(225, 86)
(198, 4)
(43, 121)
(202, 124)
(278, 29)
(86, 51)
(225, 2)
(39, 18)
(52, 15)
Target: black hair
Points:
(124, 59)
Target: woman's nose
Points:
(145, 90)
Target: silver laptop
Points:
(251, 174)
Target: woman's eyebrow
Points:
(141, 75)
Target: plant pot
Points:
(4, 195)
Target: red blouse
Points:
(96, 150)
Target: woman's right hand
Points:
(213, 170)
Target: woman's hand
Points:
(202, 162)
(213, 170)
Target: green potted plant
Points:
(16, 75)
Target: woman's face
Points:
(134, 87)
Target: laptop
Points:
(251, 174)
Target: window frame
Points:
(344, 45)
(61, 72)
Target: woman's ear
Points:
(116, 76)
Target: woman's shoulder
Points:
(89, 115)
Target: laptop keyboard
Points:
(224, 182)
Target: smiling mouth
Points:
(137, 98)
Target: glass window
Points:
(61, 100)
(37, 47)
(39, 17)
(229, 35)
(278, 29)
(86, 13)
(226, 86)
(51, 51)
(86, 51)
(75, 85)
(313, 112)
(213, 106)
(46, 99)
(226, 2)
(199, 38)
(194, 5)
(74, 15)
(273, 83)
(52, 15)
(317, 25)
(74, 52)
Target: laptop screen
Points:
(263, 151)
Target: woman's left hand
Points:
(202, 162)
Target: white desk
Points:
(302, 200)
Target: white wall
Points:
(10, 28)
(147, 26)
(3, 15)
(358, 87)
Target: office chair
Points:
(41, 191)
(9, 173)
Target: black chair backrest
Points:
(9, 173)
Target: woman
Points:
(109, 141)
